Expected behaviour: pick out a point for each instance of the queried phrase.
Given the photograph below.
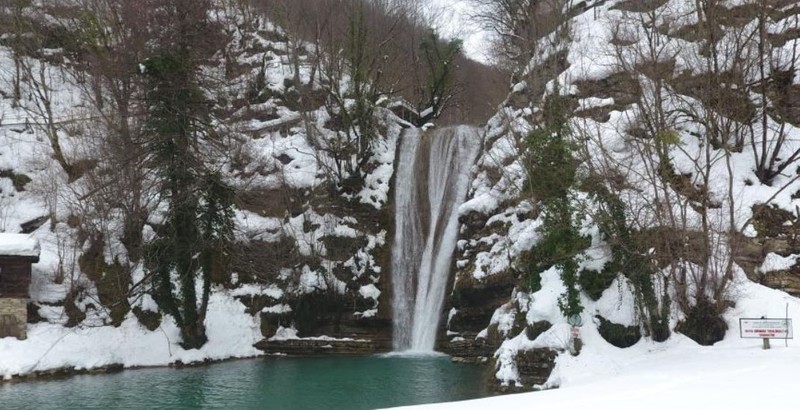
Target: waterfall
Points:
(431, 182)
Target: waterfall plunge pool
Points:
(270, 383)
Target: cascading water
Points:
(431, 183)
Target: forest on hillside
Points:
(145, 110)
(225, 173)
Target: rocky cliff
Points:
(660, 83)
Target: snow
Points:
(290, 333)
(677, 374)
(714, 378)
(376, 183)
(369, 292)
(367, 313)
(503, 317)
(148, 304)
(617, 303)
(19, 245)
(280, 308)
(312, 281)
(284, 333)
(231, 333)
(774, 262)
(250, 289)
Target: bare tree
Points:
(518, 26)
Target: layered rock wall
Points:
(13, 318)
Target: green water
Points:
(280, 383)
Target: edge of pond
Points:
(67, 372)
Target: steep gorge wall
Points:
(318, 261)
(311, 251)
(494, 313)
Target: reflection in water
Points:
(274, 383)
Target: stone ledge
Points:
(321, 347)
(469, 349)
(67, 371)
(63, 372)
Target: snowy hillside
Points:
(735, 373)
(670, 126)
(634, 196)
(90, 293)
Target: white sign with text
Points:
(766, 328)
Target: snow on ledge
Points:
(290, 333)
(774, 262)
(15, 244)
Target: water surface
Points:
(273, 383)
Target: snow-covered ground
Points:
(231, 334)
(677, 374)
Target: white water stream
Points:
(431, 183)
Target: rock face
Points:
(325, 316)
(335, 305)
(473, 303)
(469, 348)
(13, 318)
(534, 367)
(754, 253)
(785, 280)
(778, 233)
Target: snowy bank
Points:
(231, 334)
(677, 374)
(681, 377)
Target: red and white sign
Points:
(766, 328)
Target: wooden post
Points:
(766, 344)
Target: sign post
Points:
(576, 321)
(766, 329)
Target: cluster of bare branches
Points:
(695, 109)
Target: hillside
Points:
(640, 179)
(675, 220)
(308, 248)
